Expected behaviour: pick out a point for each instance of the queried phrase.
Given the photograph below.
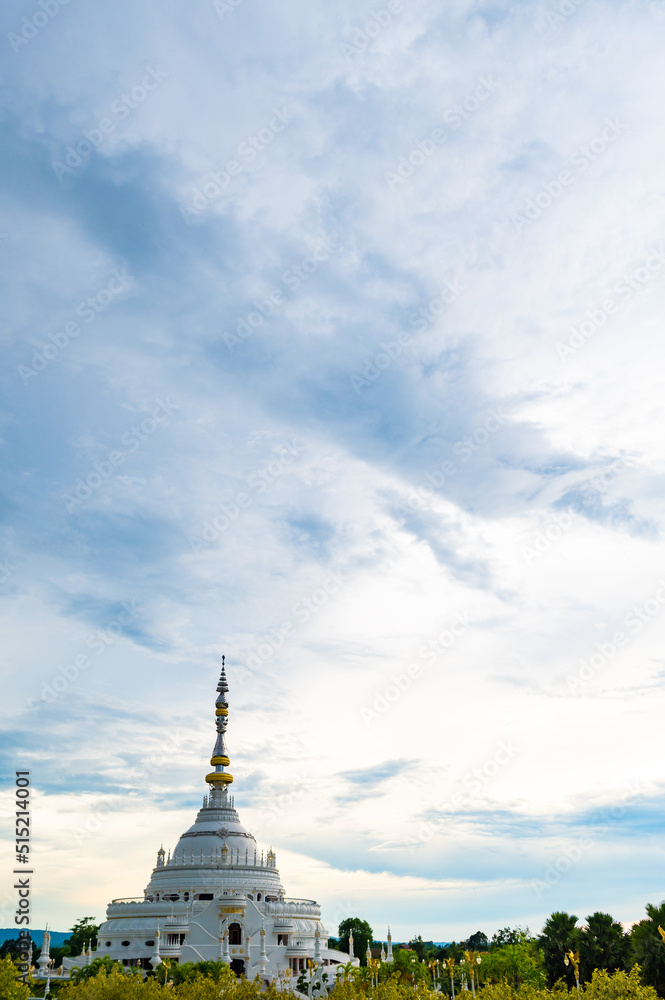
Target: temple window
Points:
(235, 934)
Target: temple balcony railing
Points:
(290, 909)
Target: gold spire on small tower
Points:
(219, 778)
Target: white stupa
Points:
(217, 897)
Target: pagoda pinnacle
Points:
(219, 778)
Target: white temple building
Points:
(218, 896)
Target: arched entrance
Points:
(238, 966)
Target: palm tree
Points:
(648, 946)
(603, 945)
(559, 935)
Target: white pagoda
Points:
(218, 897)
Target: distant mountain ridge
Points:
(57, 937)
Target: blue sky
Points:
(332, 343)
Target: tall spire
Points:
(219, 778)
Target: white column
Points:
(155, 958)
(225, 956)
(263, 958)
(45, 956)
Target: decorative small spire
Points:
(155, 958)
(219, 778)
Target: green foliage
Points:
(515, 964)
(419, 947)
(648, 947)
(409, 980)
(477, 942)
(79, 975)
(406, 967)
(606, 986)
(10, 949)
(363, 936)
(187, 972)
(559, 935)
(9, 988)
(603, 986)
(509, 935)
(114, 985)
(602, 945)
(83, 931)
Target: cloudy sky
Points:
(333, 342)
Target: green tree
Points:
(83, 931)
(516, 964)
(407, 968)
(626, 986)
(10, 949)
(558, 936)
(363, 935)
(648, 948)
(9, 988)
(219, 972)
(79, 975)
(509, 935)
(603, 945)
(477, 942)
(419, 947)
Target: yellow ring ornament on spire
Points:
(219, 777)
(224, 761)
